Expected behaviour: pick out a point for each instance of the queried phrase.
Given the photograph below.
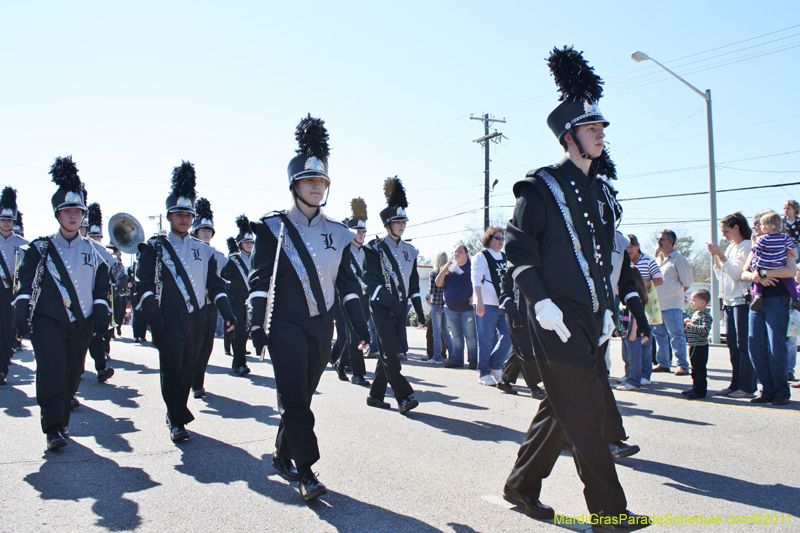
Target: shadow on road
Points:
(229, 408)
(77, 473)
(106, 430)
(477, 430)
(779, 498)
(232, 464)
(626, 410)
(15, 401)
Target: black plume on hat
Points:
(395, 193)
(184, 180)
(604, 166)
(232, 246)
(203, 208)
(575, 79)
(65, 174)
(312, 138)
(95, 216)
(243, 223)
(19, 222)
(8, 198)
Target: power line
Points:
(706, 192)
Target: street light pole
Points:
(712, 188)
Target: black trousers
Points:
(208, 323)
(391, 335)
(227, 340)
(240, 334)
(120, 305)
(98, 350)
(299, 353)
(139, 324)
(178, 350)
(698, 356)
(575, 375)
(59, 349)
(348, 353)
(7, 330)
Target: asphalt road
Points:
(441, 468)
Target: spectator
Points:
(697, 329)
(728, 268)
(652, 277)
(768, 325)
(769, 252)
(488, 266)
(440, 331)
(791, 226)
(677, 279)
(455, 278)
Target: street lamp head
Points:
(639, 56)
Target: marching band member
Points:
(237, 273)
(99, 346)
(307, 251)
(63, 301)
(390, 272)
(10, 255)
(175, 272)
(203, 229)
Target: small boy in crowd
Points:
(697, 329)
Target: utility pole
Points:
(159, 217)
(484, 141)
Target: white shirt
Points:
(481, 277)
(730, 274)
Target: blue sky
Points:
(131, 90)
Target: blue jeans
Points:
(440, 329)
(632, 353)
(462, 325)
(743, 377)
(767, 344)
(673, 324)
(791, 348)
(491, 355)
(647, 358)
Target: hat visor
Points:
(311, 174)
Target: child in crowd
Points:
(791, 224)
(769, 252)
(632, 350)
(697, 329)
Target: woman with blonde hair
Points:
(438, 324)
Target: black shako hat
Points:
(8, 204)
(358, 215)
(70, 193)
(95, 220)
(312, 152)
(182, 197)
(245, 235)
(395, 200)
(204, 217)
(580, 90)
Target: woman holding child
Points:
(772, 265)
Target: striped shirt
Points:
(769, 251)
(648, 268)
(697, 332)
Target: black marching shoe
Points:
(285, 468)
(531, 507)
(242, 370)
(2, 379)
(374, 402)
(310, 487)
(55, 440)
(74, 403)
(199, 393)
(103, 375)
(406, 404)
(619, 449)
(227, 352)
(359, 380)
(178, 433)
(506, 387)
(627, 521)
(538, 393)
(65, 432)
(340, 372)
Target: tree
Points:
(473, 235)
(423, 261)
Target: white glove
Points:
(551, 318)
(608, 327)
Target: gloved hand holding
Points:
(260, 339)
(551, 318)
(608, 327)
